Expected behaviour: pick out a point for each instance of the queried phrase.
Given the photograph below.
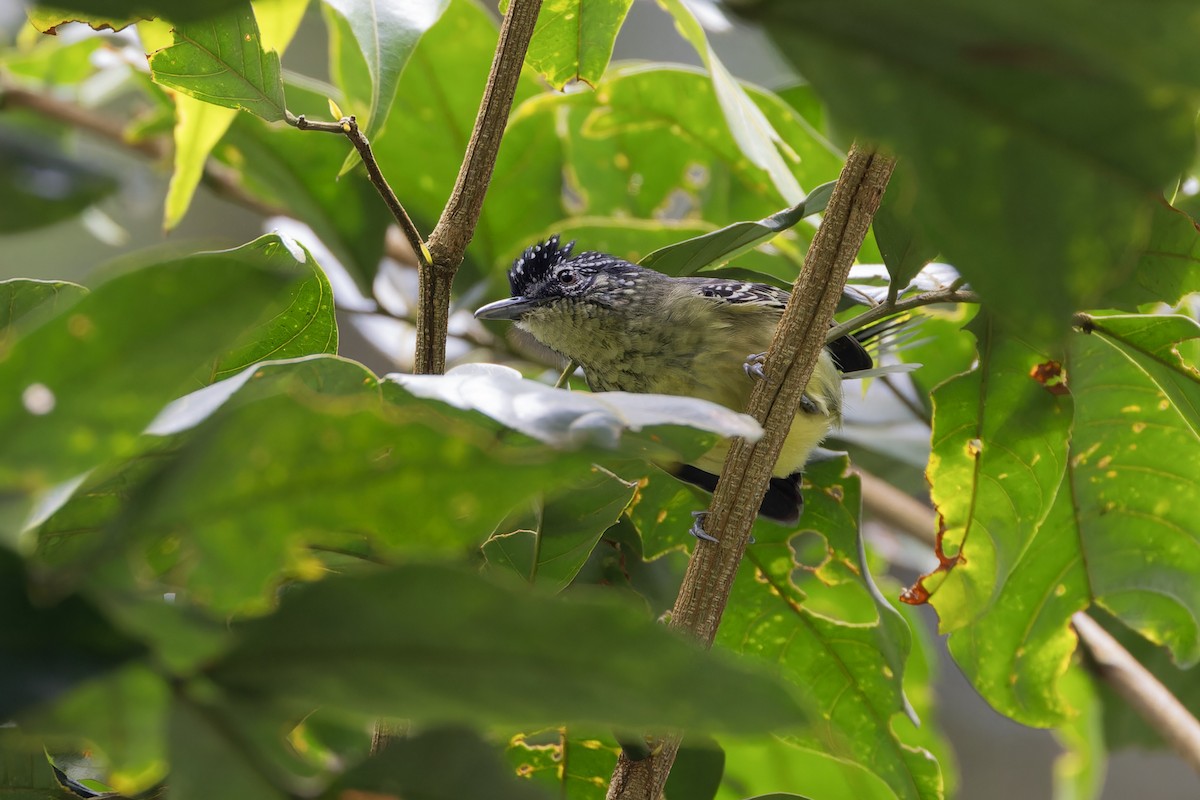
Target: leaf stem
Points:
(950, 294)
(348, 127)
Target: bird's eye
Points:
(566, 276)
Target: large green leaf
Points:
(1168, 268)
(199, 125)
(108, 12)
(386, 32)
(307, 326)
(573, 40)
(78, 388)
(751, 129)
(1043, 493)
(549, 543)
(804, 602)
(481, 653)
(649, 143)
(1011, 96)
(221, 60)
(27, 301)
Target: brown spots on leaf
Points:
(918, 594)
(1050, 375)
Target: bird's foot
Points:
(697, 528)
(808, 405)
(698, 531)
(753, 366)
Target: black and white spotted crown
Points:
(535, 263)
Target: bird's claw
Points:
(808, 405)
(753, 366)
(697, 528)
(698, 531)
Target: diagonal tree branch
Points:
(454, 230)
(790, 362)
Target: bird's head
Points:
(547, 277)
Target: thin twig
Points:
(456, 227)
(78, 117)
(348, 127)
(1153, 702)
(797, 345)
(951, 294)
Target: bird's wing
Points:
(739, 293)
(847, 352)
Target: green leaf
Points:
(27, 301)
(573, 40)
(905, 248)
(103, 13)
(199, 125)
(999, 454)
(1041, 524)
(1079, 771)
(49, 647)
(438, 764)
(757, 768)
(299, 172)
(79, 388)
(565, 762)
(749, 126)
(697, 772)
(1135, 400)
(649, 144)
(222, 61)
(118, 720)
(307, 326)
(42, 185)
(637, 425)
(201, 735)
(387, 32)
(1168, 268)
(25, 770)
(482, 653)
(804, 602)
(719, 247)
(1012, 95)
(549, 543)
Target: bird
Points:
(634, 329)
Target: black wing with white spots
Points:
(742, 292)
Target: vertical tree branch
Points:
(794, 351)
(456, 227)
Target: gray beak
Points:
(511, 308)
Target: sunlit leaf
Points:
(573, 40)
(386, 32)
(222, 61)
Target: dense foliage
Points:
(227, 552)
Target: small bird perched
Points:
(633, 329)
